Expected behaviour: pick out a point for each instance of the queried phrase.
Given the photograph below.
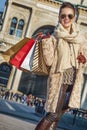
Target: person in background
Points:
(63, 53)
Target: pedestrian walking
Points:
(63, 53)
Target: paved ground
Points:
(11, 123)
(26, 119)
(66, 123)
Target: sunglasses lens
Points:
(63, 16)
(70, 16)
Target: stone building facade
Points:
(25, 18)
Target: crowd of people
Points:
(36, 102)
(29, 100)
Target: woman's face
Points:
(66, 17)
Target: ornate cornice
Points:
(50, 2)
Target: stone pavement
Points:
(66, 122)
(11, 123)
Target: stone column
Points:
(11, 78)
(28, 34)
(7, 16)
(16, 80)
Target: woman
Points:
(62, 52)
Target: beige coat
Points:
(59, 56)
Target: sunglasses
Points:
(63, 16)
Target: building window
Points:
(13, 26)
(5, 71)
(20, 28)
(16, 27)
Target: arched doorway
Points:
(45, 29)
(31, 83)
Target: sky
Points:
(2, 3)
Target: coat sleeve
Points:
(48, 48)
(84, 45)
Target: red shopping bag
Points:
(19, 57)
(12, 51)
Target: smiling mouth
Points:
(66, 22)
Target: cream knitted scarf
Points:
(75, 37)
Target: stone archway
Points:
(45, 29)
(31, 83)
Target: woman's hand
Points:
(81, 58)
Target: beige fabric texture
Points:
(60, 51)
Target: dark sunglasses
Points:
(70, 16)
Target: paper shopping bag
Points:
(20, 56)
(7, 55)
(38, 66)
(27, 63)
